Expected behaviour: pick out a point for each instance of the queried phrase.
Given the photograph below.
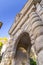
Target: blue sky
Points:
(8, 11)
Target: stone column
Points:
(37, 28)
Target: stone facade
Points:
(25, 33)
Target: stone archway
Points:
(23, 49)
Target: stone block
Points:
(39, 43)
(40, 58)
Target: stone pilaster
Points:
(37, 28)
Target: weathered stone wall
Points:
(29, 22)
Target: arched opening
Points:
(23, 49)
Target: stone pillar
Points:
(37, 28)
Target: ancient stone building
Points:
(25, 33)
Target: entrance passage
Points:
(23, 50)
(21, 57)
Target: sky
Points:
(8, 11)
